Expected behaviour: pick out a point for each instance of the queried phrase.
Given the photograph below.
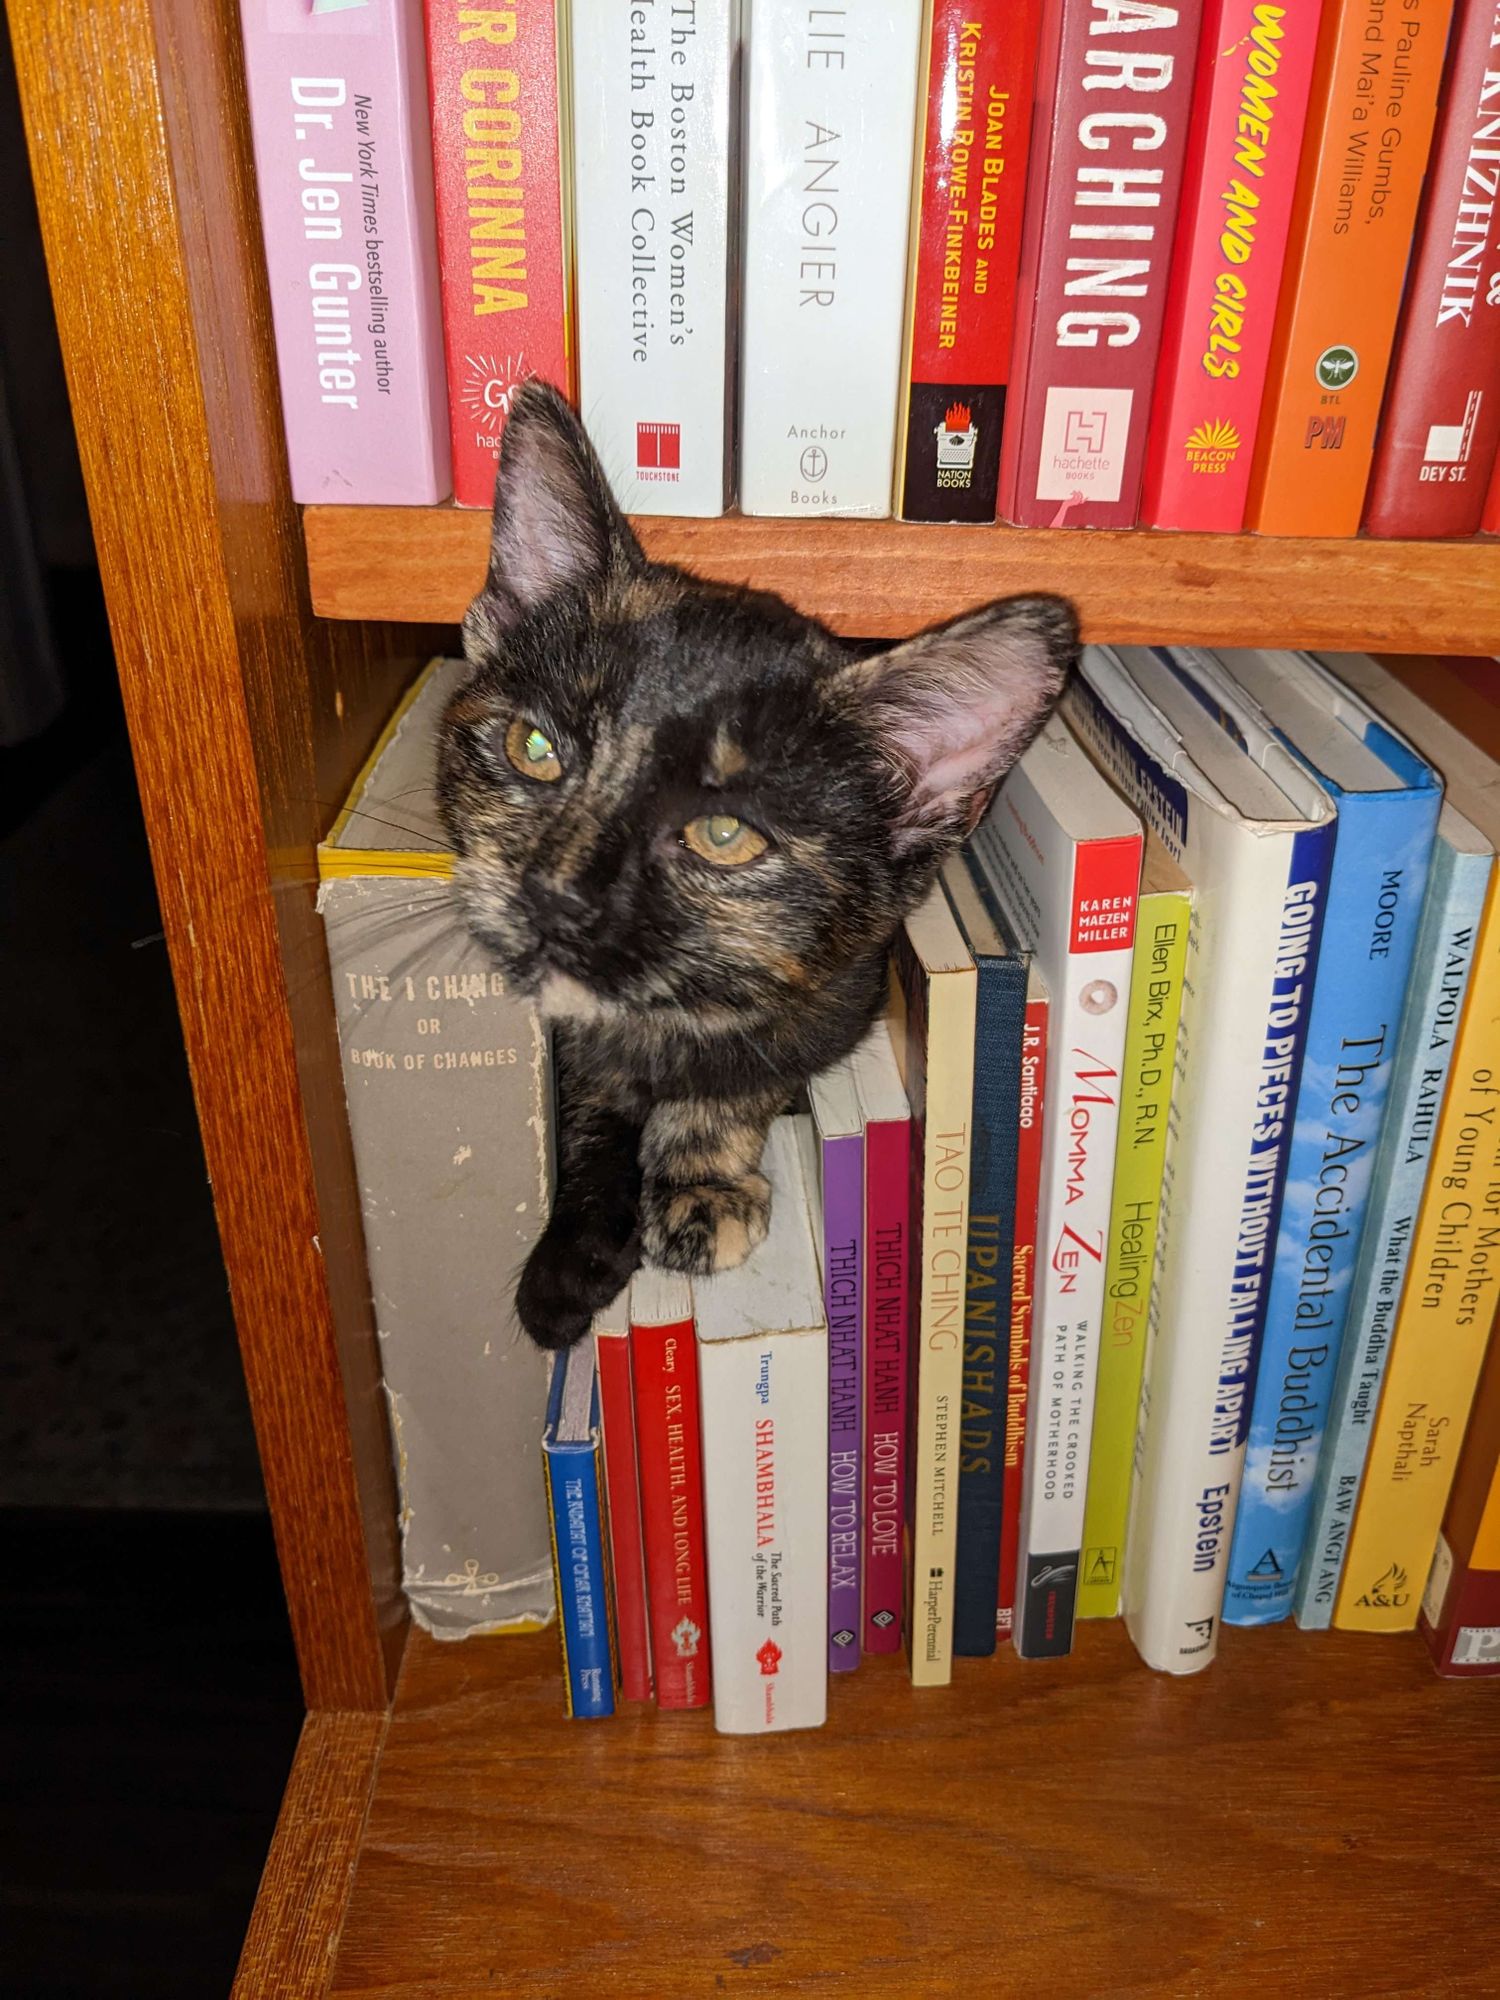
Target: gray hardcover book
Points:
(447, 1080)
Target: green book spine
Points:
(1156, 974)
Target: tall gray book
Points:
(447, 1080)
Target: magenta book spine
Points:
(343, 162)
(887, 1249)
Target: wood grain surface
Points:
(886, 578)
(304, 1892)
(1315, 1815)
(247, 719)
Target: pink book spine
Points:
(343, 162)
(1254, 77)
(887, 1249)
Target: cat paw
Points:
(570, 1275)
(700, 1230)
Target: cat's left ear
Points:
(556, 527)
(953, 709)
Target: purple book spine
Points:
(343, 164)
(843, 1271)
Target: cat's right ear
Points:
(555, 527)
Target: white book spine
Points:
(830, 125)
(765, 1484)
(654, 165)
(1246, 993)
(1065, 895)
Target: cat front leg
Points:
(705, 1204)
(591, 1246)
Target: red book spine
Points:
(497, 149)
(1114, 93)
(664, 1369)
(887, 1332)
(1022, 1302)
(1255, 63)
(981, 68)
(1490, 519)
(1441, 421)
(622, 1485)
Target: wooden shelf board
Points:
(884, 578)
(1312, 1815)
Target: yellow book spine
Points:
(952, 998)
(1156, 972)
(1442, 1328)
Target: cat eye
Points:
(532, 751)
(724, 841)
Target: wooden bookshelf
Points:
(1309, 1817)
(886, 578)
(1316, 1814)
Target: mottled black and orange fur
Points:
(690, 1001)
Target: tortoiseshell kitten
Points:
(688, 821)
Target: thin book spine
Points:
(969, 186)
(1444, 1323)
(580, 1568)
(887, 1260)
(343, 160)
(843, 1288)
(1442, 962)
(1370, 927)
(1151, 1060)
(622, 1482)
(1096, 257)
(1031, 1122)
(664, 1372)
(499, 147)
(1460, 1615)
(1352, 218)
(1441, 422)
(830, 103)
(654, 166)
(1250, 107)
(940, 1079)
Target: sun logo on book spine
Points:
(489, 383)
(1212, 446)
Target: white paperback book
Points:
(1061, 851)
(1254, 833)
(763, 1377)
(830, 121)
(655, 153)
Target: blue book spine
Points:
(1000, 1021)
(1370, 928)
(578, 1561)
(1458, 883)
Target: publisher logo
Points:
(957, 441)
(1336, 367)
(843, 1637)
(813, 464)
(1389, 1592)
(883, 1619)
(769, 1658)
(1084, 437)
(1212, 447)
(686, 1637)
(658, 452)
(1446, 456)
(1476, 1646)
(488, 388)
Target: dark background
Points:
(152, 1704)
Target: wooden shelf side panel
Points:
(885, 579)
(247, 717)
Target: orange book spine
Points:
(1369, 129)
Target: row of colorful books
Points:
(1156, 265)
(1158, 1232)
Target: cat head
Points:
(672, 796)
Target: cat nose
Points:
(555, 905)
